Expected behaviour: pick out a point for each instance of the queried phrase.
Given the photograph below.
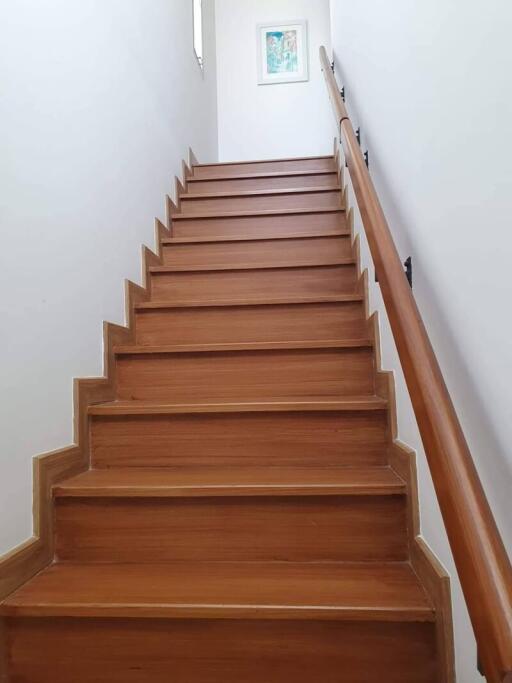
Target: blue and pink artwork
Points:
(282, 52)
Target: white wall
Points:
(269, 121)
(429, 82)
(99, 102)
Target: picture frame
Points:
(283, 53)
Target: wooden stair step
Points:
(258, 200)
(186, 196)
(278, 372)
(248, 281)
(258, 223)
(264, 174)
(232, 481)
(347, 404)
(251, 346)
(249, 266)
(264, 181)
(304, 164)
(242, 322)
(212, 303)
(237, 253)
(261, 212)
(219, 590)
(239, 438)
(254, 238)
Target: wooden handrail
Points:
(482, 562)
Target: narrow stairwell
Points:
(248, 515)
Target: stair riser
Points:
(255, 284)
(243, 324)
(260, 226)
(280, 166)
(308, 200)
(293, 252)
(290, 182)
(229, 651)
(344, 528)
(259, 439)
(245, 376)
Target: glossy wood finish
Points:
(246, 375)
(251, 323)
(262, 200)
(263, 181)
(304, 250)
(217, 651)
(288, 529)
(233, 439)
(232, 590)
(231, 481)
(482, 562)
(271, 166)
(261, 224)
(220, 285)
(240, 457)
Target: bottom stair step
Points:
(225, 590)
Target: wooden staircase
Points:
(248, 514)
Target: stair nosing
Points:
(249, 214)
(339, 607)
(222, 611)
(262, 161)
(394, 487)
(325, 344)
(243, 238)
(227, 303)
(257, 176)
(321, 189)
(347, 404)
(203, 268)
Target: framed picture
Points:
(283, 52)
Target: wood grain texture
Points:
(262, 181)
(232, 590)
(241, 450)
(295, 251)
(258, 224)
(231, 481)
(216, 651)
(251, 323)
(301, 529)
(238, 347)
(261, 200)
(257, 167)
(279, 439)
(313, 404)
(245, 375)
(219, 285)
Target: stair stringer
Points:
(27, 559)
(402, 459)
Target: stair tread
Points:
(262, 161)
(334, 298)
(245, 238)
(262, 193)
(247, 346)
(369, 591)
(233, 481)
(256, 212)
(252, 266)
(268, 174)
(320, 403)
